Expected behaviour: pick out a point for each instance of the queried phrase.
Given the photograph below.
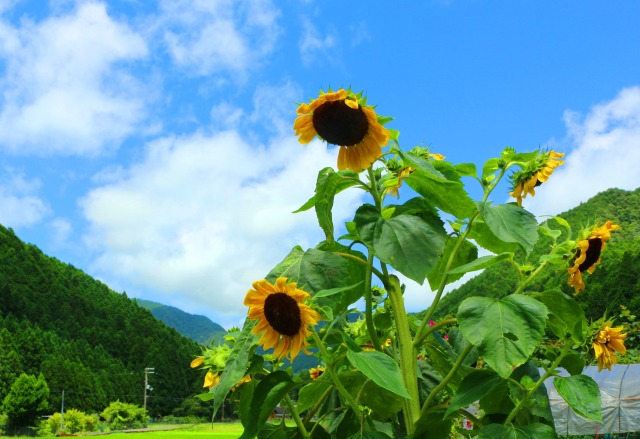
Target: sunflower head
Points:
(283, 318)
(536, 172)
(588, 253)
(342, 118)
(315, 372)
(606, 342)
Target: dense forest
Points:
(86, 340)
(615, 282)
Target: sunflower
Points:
(538, 172)
(588, 253)
(211, 379)
(606, 343)
(341, 118)
(401, 172)
(315, 372)
(282, 317)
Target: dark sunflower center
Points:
(282, 313)
(339, 124)
(593, 254)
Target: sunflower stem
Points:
(548, 373)
(373, 335)
(408, 356)
(296, 417)
(447, 378)
(334, 377)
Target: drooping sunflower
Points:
(283, 318)
(588, 254)
(606, 343)
(538, 172)
(341, 118)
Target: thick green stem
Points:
(407, 354)
(334, 377)
(446, 379)
(373, 335)
(548, 373)
(296, 417)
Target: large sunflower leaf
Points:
(236, 367)
(328, 184)
(431, 425)
(531, 431)
(439, 183)
(381, 369)
(506, 331)
(480, 263)
(266, 396)
(485, 238)
(511, 223)
(319, 269)
(384, 403)
(466, 253)
(473, 387)
(565, 313)
(583, 395)
(409, 243)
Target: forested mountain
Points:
(615, 282)
(196, 327)
(85, 339)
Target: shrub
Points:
(122, 416)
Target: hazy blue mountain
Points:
(196, 327)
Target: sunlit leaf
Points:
(583, 395)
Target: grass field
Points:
(218, 431)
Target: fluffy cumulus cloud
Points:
(210, 36)
(313, 43)
(20, 205)
(203, 216)
(603, 151)
(64, 89)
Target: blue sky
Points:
(149, 143)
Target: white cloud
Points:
(312, 43)
(604, 152)
(19, 204)
(65, 90)
(211, 36)
(203, 216)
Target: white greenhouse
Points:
(620, 392)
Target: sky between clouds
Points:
(150, 144)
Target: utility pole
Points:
(147, 371)
(62, 413)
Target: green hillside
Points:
(85, 339)
(615, 282)
(196, 327)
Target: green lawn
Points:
(221, 431)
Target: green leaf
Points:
(466, 253)
(310, 394)
(332, 291)
(316, 270)
(573, 363)
(531, 431)
(511, 223)
(473, 387)
(431, 425)
(381, 369)
(439, 183)
(564, 312)
(382, 402)
(236, 366)
(406, 242)
(442, 358)
(582, 394)
(267, 394)
(485, 238)
(490, 167)
(328, 184)
(506, 331)
(466, 169)
(481, 263)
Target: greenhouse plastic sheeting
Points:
(620, 393)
